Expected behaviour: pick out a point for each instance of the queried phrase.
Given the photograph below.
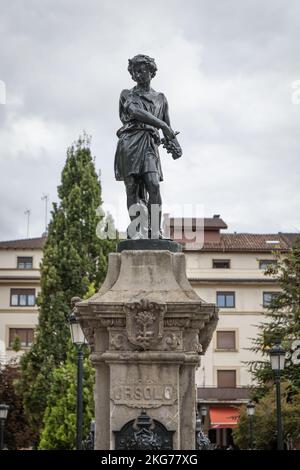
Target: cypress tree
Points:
(74, 257)
(59, 425)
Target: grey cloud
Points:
(226, 68)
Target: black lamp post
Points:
(89, 442)
(202, 441)
(250, 413)
(277, 358)
(78, 339)
(3, 415)
(198, 428)
(203, 411)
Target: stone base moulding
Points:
(147, 329)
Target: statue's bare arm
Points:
(148, 118)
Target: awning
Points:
(223, 417)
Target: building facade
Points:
(224, 268)
(19, 286)
(229, 270)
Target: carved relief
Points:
(172, 341)
(144, 433)
(89, 333)
(144, 323)
(118, 341)
(178, 322)
(197, 324)
(118, 322)
(89, 328)
(143, 394)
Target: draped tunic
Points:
(137, 149)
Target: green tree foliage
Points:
(265, 424)
(18, 434)
(73, 257)
(59, 426)
(59, 431)
(16, 344)
(282, 323)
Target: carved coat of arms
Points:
(144, 322)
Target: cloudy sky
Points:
(227, 67)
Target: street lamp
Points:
(89, 443)
(277, 358)
(203, 411)
(202, 441)
(250, 413)
(198, 422)
(198, 428)
(78, 339)
(3, 415)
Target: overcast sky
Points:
(227, 68)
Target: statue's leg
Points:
(132, 191)
(138, 211)
(151, 180)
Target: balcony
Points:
(215, 394)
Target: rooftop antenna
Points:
(45, 198)
(27, 212)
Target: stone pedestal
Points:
(147, 329)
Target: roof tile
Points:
(231, 242)
(26, 243)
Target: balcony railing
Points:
(218, 393)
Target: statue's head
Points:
(142, 67)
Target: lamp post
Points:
(203, 411)
(202, 441)
(250, 413)
(89, 443)
(78, 339)
(198, 428)
(277, 358)
(3, 415)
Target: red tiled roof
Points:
(290, 238)
(210, 223)
(26, 243)
(231, 242)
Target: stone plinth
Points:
(147, 329)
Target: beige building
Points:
(229, 269)
(19, 286)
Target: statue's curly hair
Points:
(142, 59)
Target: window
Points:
(265, 263)
(25, 335)
(22, 297)
(221, 263)
(226, 340)
(24, 262)
(226, 299)
(226, 378)
(268, 297)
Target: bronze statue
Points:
(143, 111)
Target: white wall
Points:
(11, 277)
(248, 282)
